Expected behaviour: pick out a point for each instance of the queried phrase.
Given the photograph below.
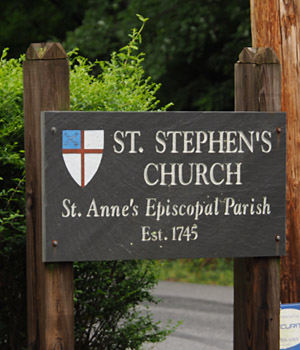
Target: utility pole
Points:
(276, 24)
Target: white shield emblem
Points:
(82, 153)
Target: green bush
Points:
(217, 271)
(12, 207)
(107, 294)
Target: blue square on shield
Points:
(71, 139)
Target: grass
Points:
(203, 271)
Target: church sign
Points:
(149, 185)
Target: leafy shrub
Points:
(217, 271)
(106, 316)
(12, 206)
(107, 294)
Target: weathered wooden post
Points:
(256, 280)
(49, 286)
(276, 24)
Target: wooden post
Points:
(276, 24)
(49, 287)
(256, 280)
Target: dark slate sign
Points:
(148, 185)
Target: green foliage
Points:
(121, 85)
(107, 294)
(204, 271)
(191, 46)
(12, 204)
(107, 317)
(31, 21)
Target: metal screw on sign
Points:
(54, 243)
(277, 238)
(53, 130)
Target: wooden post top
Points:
(45, 51)
(262, 55)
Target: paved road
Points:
(206, 312)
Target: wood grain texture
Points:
(49, 287)
(276, 23)
(256, 280)
(256, 304)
